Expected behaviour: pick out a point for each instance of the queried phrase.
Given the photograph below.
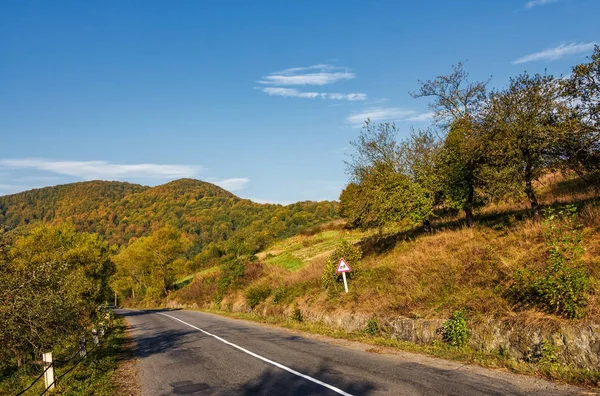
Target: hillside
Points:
(423, 278)
(121, 211)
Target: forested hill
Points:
(120, 211)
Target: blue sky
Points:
(259, 97)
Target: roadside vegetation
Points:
(95, 374)
(493, 212)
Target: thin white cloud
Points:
(381, 114)
(420, 117)
(350, 96)
(311, 75)
(535, 3)
(289, 92)
(557, 52)
(232, 184)
(90, 170)
(294, 93)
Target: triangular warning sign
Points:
(343, 267)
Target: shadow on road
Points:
(279, 382)
(155, 341)
(129, 312)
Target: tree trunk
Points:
(530, 192)
(469, 207)
(469, 217)
(427, 226)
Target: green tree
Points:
(149, 262)
(51, 282)
(525, 123)
(390, 180)
(461, 165)
(456, 107)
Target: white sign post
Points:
(343, 267)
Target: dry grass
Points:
(424, 275)
(430, 276)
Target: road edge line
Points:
(264, 359)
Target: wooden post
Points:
(49, 370)
(82, 350)
(115, 299)
(95, 336)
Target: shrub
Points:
(561, 287)
(297, 314)
(279, 295)
(543, 353)
(351, 254)
(231, 274)
(455, 331)
(257, 294)
(372, 327)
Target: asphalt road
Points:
(192, 353)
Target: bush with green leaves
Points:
(455, 331)
(561, 287)
(542, 353)
(232, 272)
(297, 314)
(279, 294)
(257, 294)
(351, 254)
(372, 327)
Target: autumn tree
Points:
(51, 281)
(524, 124)
(149, 264)
(390, 180)
(456, 107)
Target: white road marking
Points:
(264, 359)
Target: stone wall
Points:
(572, 343)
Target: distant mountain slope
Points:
(121, 211)
(62, 201)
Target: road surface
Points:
(192, 353)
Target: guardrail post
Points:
(49, 370)
(95, 336)
(82, 350)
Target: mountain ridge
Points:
(120, 211)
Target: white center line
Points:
(264, 359)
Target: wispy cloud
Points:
(317, 75)
(311, 75)
(380, 114)
(535, 3)
(294, 93)
(420, 117)
(90, 170)
(232, 184)
(557, 52)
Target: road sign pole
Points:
(345, 281)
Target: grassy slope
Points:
(417, 275)
(420, 275)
